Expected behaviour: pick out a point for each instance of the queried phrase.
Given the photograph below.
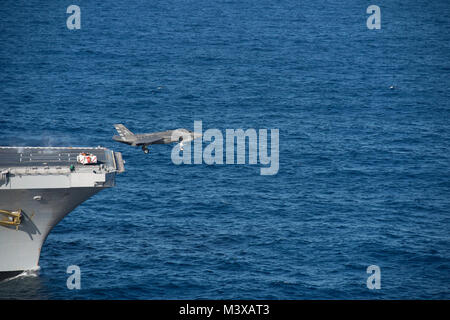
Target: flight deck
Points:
(50, 156)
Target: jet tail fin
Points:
(123, 131)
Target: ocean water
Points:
(364, 170)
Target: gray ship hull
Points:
(20, 249)
(45, 194)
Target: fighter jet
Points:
(143, 140)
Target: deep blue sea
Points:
(364, 175)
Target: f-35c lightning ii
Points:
(143, 140)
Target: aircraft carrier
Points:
(39, 186)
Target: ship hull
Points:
(20, 247)
(39, 186)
